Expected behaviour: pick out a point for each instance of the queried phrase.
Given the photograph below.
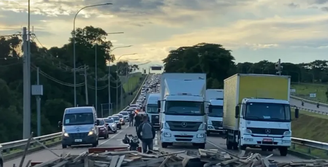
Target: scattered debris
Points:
(200, 158)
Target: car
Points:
(79, 126)
(122, 120)
(125, 115)
(117, 121)
(102, 128)
(111, 125)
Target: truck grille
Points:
(268, 131)
(78, 135)
(183, 126)
(217, 123)
(155, 119)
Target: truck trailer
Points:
(257, 112)
(152, 109)
(214, 99)
(182, 110)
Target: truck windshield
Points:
(152, 108)
(268, 112)
(78, 119)
(217, 111)
(184, 108)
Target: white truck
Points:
(152, 109)
(257, 112)
(214, 99)
(182, 110)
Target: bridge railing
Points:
(18, 146)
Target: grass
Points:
(304, 89)
(313, 127)
(132, 83)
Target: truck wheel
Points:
(229, 145)
(64, 146)
(164, 145)
(270, 149)
(201, 146)
(208, 133)
(283, 151)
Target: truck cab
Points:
(257, 112)
(214, 98)
(182, 110)
(152, 110)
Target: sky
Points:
(293, 30)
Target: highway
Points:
(116, 140)
(308, 106)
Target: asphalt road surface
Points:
(308, 106)
(116, 140)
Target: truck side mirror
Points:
(158, 110)
(59, 124)
(97, 122)
(158, 104)
(296, 113)
(237, 112)
(210, 107)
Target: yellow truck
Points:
(257, 112)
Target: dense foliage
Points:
(219, 64)
(56, 76)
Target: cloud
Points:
(293, 5)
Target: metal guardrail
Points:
(10, 147)
(308, 101)
(310, 144)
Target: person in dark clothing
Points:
(146, 134)
(137, 121)
(131, 118)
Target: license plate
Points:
(267, 140)
(78, 140)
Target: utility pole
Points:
(117, 91)
(109, 100)
(37, 90)
(279, 67)
(26, 87)
(86, 85)
(96, 78)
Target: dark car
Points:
(102, 129)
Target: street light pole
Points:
(74, 35)
(109, 75)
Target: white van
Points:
(79, 126)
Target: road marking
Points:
(112, 137)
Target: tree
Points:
(211, 59)
(56, 77)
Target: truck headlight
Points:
(287, 133)
(200, 135)
(248, 131)
(65, 134)
(202, 126)
(113, 125)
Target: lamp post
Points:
(74, 34)
(109, 96)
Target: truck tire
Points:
(208, 133)
(1, 163)
(229, 145)
(95, 144)
(64, 146)
(164, 145)
(202, 145)
(283, 151)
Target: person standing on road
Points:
(137, 121)
(131, 118)
(146, 134)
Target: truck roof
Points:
(177, 87)
(259, 75)
(263, 100)
(153, 98)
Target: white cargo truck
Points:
(214, 99)
(152, 109)
(182, 110)
(257, 113)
